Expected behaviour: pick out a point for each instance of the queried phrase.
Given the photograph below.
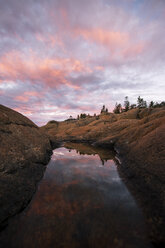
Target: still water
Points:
(81, 202)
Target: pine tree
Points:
(117, 109)
(151, 105)
(141, 103)
(103, 109)
(126, 104)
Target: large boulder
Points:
(24, 152)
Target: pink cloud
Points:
(117, 44)
(110, 39)
(33, 93)
(27, 95)
(50, 71)
(50, 40)
(99, 68)
(25, 112)
(134, 50)
(21, 98)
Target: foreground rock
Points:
(24, 152)
(139, 137)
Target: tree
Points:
(158, 105)
(132, 106)
(162, 104)
(151, 105)
(103, 109)
(126, 104)
(141, 103)
(117, 109)
(82, 116)
(144, 104)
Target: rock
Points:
(24, 152)
(139, 138)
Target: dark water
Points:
(81, 202)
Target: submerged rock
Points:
(24, 152)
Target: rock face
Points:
(24, 152)
(139, 137)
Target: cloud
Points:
(51, 72)
(60, 57)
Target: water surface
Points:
(81, 202)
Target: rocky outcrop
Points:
(24, 152)
(139, 139)
(137, 135)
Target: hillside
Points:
(138, 136)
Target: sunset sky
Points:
(64, 57)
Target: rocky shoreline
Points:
(138, 136)
(148, 191)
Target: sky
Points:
(65, 57)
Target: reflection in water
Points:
(81, 202)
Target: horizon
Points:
(60, 58)
(97, 113)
